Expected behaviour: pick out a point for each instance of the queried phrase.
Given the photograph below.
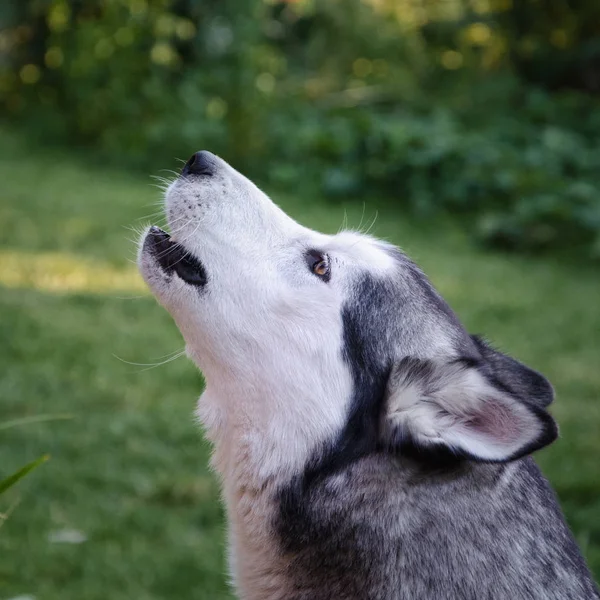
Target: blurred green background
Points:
(471, 127)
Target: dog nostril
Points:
(201, 163)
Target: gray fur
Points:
(374, 517)
(391, 528)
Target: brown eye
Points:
(319, 264)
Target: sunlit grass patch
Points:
(64, 273)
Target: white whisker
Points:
(366, 232)
(151, 365)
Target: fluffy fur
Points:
(368, 447)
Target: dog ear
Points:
(514, 376)
(483, 410)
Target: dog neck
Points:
(264, 439)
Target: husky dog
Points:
(367, 446)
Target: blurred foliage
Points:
(486, 108)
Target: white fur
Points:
(267, 334)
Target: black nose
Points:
(201, 163)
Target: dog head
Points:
(300, 334)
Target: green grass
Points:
(128, 470)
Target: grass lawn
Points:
(128, 479)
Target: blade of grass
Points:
(33, 419)
(12, 479)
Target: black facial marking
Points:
(363, 338)
(365, 351)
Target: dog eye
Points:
(319, 264)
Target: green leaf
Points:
(12, 479)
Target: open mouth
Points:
(174, 258)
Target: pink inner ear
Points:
(497, 421)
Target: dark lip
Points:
(174, 258)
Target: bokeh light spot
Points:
(265, 83)
(163, 53)
(54, 57)
(478, 34)
(216, 108)
(559, 38)
(185, 29)
(362, 67)
(58, 17)
(451, 59)
(30, 74)
(104, 49)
